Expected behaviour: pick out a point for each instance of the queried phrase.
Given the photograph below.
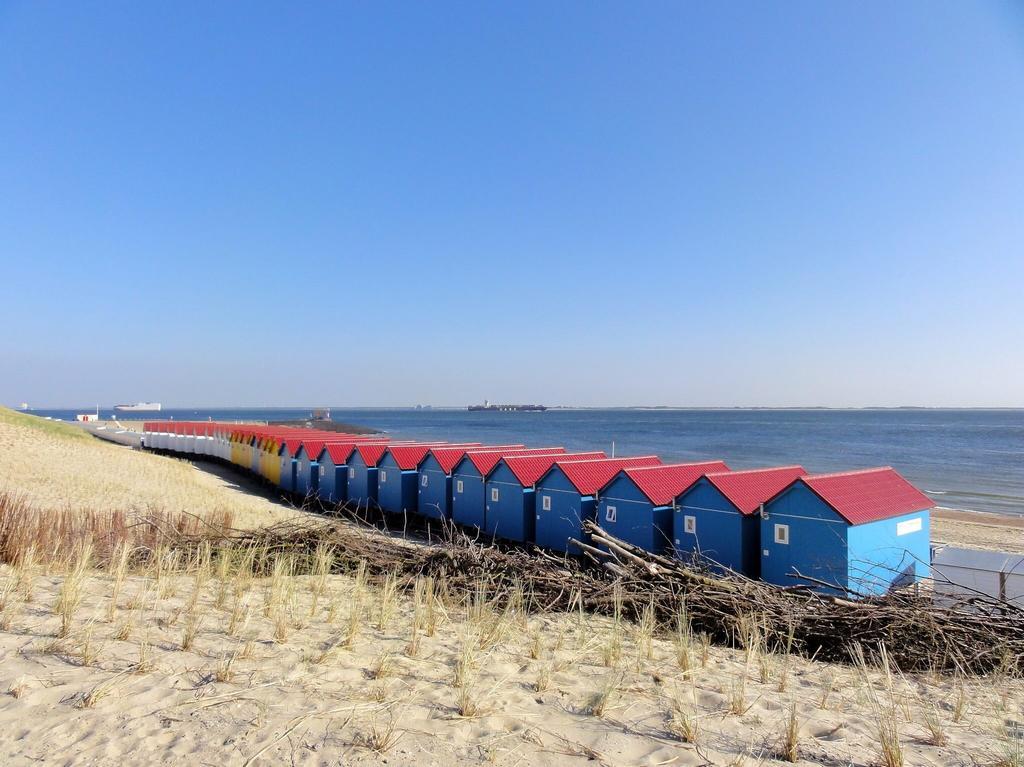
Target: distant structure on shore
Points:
(489, 406)
(139, 407)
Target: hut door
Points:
(780, 555)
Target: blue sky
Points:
(572, 203)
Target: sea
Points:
(964, 459)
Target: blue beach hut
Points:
(434, 486)
(567, 496)
(286, 456)
(398, 476)
(468, 506)
(333, 468)
(856, 533)
(637, 503)
(510, 492)
(363, 466)
(717, 518)
(307, 470)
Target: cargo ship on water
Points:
(139, 407)
(489, 406)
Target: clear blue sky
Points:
(798, 203)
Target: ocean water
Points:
(964, 459)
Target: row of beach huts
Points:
(855, 533)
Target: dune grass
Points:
(504, 702)
(51, 465)
(49, 428)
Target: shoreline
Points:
(989, 518)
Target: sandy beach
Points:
(211, 664)
(215, 668)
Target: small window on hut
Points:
(690, 524)
(351, 473)
(782, 534)
(545, 503)
(610, 513)
(494, 495)
(458, 486)
(383, 476)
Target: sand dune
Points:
(270, 677)
(57, 466)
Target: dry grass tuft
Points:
(99, 692)
(382, 667)
(381, 738)
(190, 632)
(601, 700)
(885, 707)
(790, 750)
(71, 591)
(683, 719)
(224, 672)
(18, 688)
(388, 599)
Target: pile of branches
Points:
(974, 635)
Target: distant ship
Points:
(489, 406)
(138, 407)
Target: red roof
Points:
(529, 468)
(868, 495)
(340, 451)
(372, 452)
(747, 490)
(292, 445)
(661, 484)
(590, 476)
(312, 447)
(408, 457)
(447, 457)
(486, 460)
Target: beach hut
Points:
(187, 439)
(362, 472)
(270, 460)
(224, 452)
(200, 437)
(243, 455)
(216, 446)
(398, 475)
(363, 466)
(855, 533)
(959, 574)
(236, 446)
(637, 502)
(203, 438)
(307, 470)
(170, 436)
(305, 478)
(286, 463)
(256, 451)
(434, 484)
(333, 462)
(178, 436)
(509, 508)
(468, 504)
(717, 518)
(567, 496)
